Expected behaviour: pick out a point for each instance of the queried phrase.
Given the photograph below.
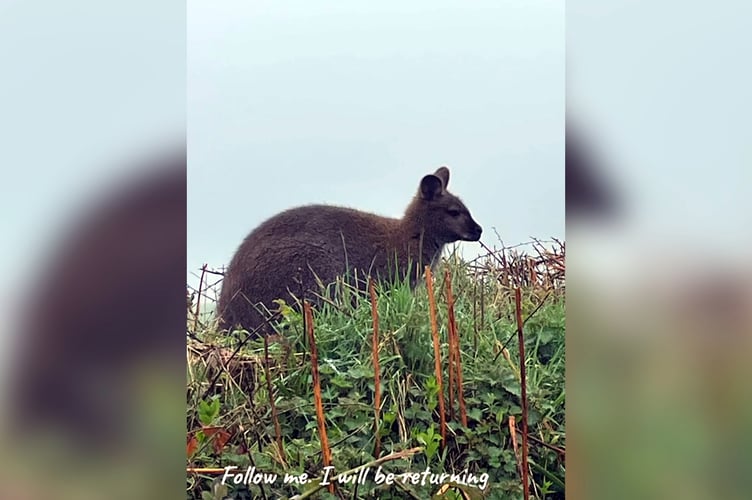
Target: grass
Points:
(231, 422)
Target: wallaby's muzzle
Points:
(473, 234)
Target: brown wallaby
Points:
(301, 248)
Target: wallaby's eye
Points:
(454, 212)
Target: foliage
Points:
(239, 402)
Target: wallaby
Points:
(302, 248)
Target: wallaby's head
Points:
(439, 213)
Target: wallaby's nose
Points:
(475, 232)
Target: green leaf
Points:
(475, 414)
(208, 412)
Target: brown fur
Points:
(289, 251)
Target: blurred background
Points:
(93, 292)
(659, 277)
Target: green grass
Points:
(239, 401)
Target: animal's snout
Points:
(474, 233)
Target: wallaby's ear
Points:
(443, 174)
(430, 187)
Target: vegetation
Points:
(232, 421)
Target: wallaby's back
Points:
(294, 250)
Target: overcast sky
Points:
(291, 103)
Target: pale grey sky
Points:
(351, 103)
(664, 94)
